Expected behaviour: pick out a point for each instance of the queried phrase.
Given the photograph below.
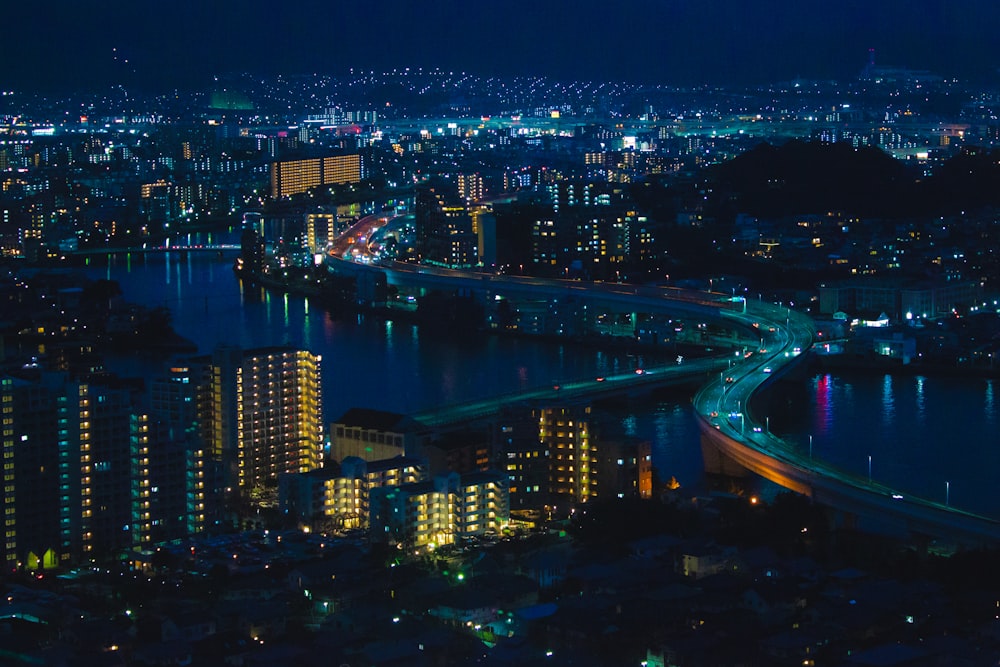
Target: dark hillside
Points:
(811, 177)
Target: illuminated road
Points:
(353, 243)
(632, 382)
(727, 423)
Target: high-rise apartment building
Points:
(552, 458)
(95, 468)
(77, 460)
(470, 187)
(523, 456)
(182, 475)
(252, 251)
(260, 414)
(295, 176)
(484, 225)
(624, 468)
(443, 226)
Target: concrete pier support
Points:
(717, 463)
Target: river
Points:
(385, 365)
(934, 437)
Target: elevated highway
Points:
(731, 432)
(631, 383)
(645, 298)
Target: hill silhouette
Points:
(812, 177)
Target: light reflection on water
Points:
(888, 405)
(920, 432)
(366, 363)
(921, 408)
(989, 404)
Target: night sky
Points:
(61, 43)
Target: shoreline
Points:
(337, 306)
(864, 364)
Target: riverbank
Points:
(336, 296)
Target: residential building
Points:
(259, 413)
(77, 461)
(624, 468)
(441, 511)
(341, 498)
(523, 456)
(460, 451)
(292, 177)
(565, 432)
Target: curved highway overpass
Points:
(729, 427)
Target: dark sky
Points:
(62, 43)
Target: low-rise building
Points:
(340, 499)
(441, 511)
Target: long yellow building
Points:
(292, 177)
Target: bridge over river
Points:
(734, 437)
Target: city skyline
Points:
(683, 43)
(360, 334)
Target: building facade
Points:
(565, 432)
(441, 511)
(258, 412)
(340, 500)
(77, 462)
(374, 435)
(552, 458)
(292, 177)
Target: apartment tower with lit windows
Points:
(260, 413)
(76, 460)
(565, 432)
